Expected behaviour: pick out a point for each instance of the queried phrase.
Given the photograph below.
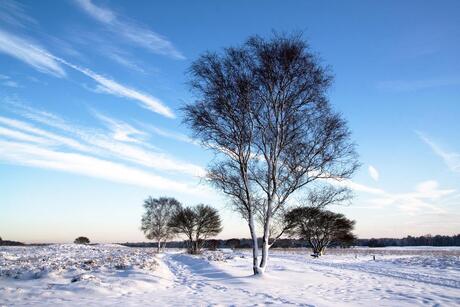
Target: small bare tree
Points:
(198, 224)
(319, 227)
(156, 218)
(262, 108)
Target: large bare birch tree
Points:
(262, 108)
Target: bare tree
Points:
(156, 218)
(198, 224)
(319, 227)
(262, 108)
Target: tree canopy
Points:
(156, 218)
(197, 223)
(319, 227)
(262, 107)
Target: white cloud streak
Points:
(169, 134)
(103, 143)
(12, 13)
(110, 86)
(7, 81)
(30, 53)
(13, 134)
(90, 152)
(30, 155)
(451, 159)
(44, 61)
(99, 13)
(51, 138)
(125, 60)
(121, 131)
(131, 32)
(374, 173)
(426, 197)
(358, 187)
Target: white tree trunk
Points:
(255, 246)
(265, 242)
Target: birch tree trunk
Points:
(265, 242)
(255, 246)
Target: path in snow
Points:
(208, 284)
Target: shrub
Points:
(81, 240)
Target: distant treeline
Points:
(427, 240)
(10, 243)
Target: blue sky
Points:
(90, 121)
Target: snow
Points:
(105, 275)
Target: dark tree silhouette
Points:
(197, 224)
(157, 215)
(81, 240)
(319, 227)
(262, 108)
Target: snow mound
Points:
(71, 259)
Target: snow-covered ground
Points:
(103, 275)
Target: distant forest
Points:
(426, 240)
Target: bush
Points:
(81, 240)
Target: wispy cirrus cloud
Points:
(121, 131)
(51, 137)
(358, 186)
(427, 196)
(30, 53)
(7, 81)
(108, 143)
(46, 62)
(18, 135)
(112, 87)
(169, 134)
(102, 14)
(451, 159)
(13, 13)
(45, 140)
(131, 32)
(374, 173)
(126, 61)
(36, 156)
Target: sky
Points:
(91, 123)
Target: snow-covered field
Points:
(102, 275)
